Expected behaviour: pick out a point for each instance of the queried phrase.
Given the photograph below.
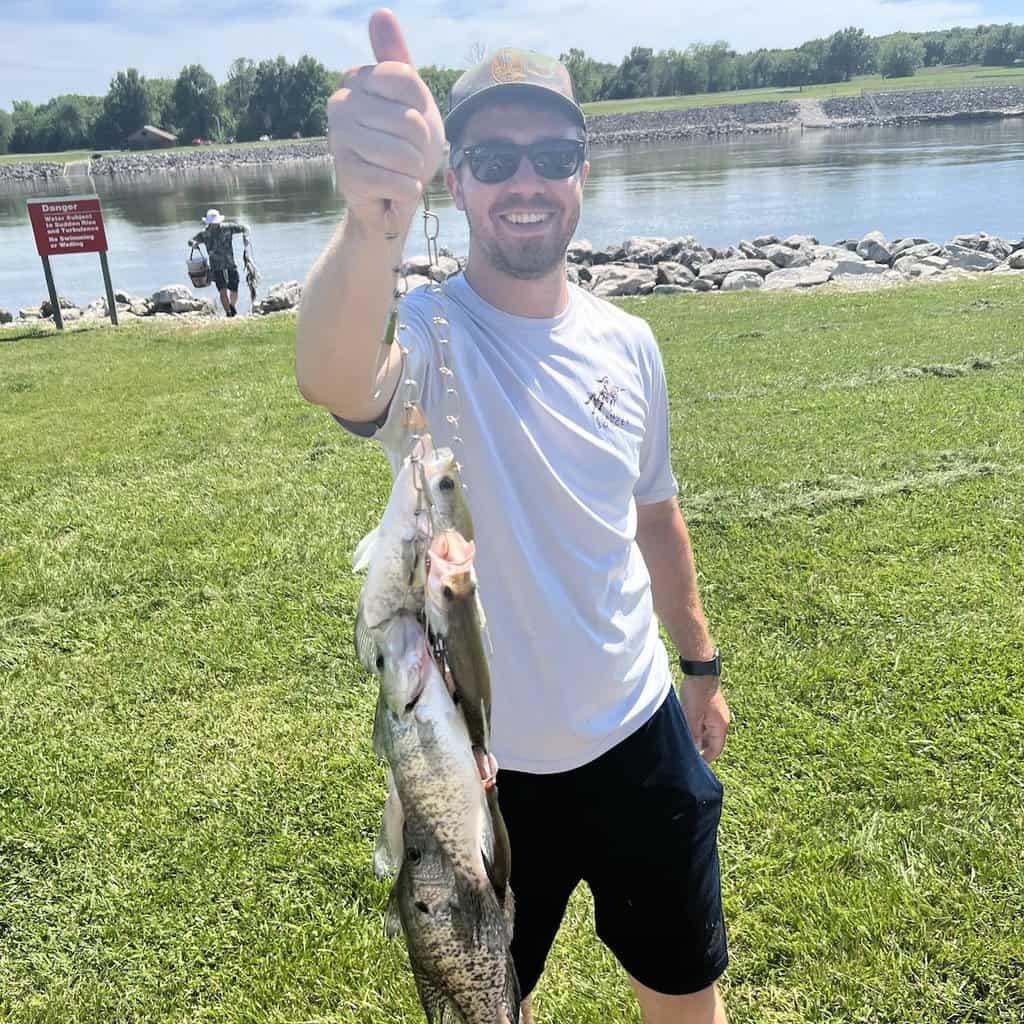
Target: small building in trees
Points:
(149, 137)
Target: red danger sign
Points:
(67, 224)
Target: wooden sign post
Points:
(68, 224)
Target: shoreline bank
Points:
(644, 266)
(893, 109)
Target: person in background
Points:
(217, 237)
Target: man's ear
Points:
(451, 179)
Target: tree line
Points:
(716, 67)
(283, 100)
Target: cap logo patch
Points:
(507, 67)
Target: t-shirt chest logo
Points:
(602, 403)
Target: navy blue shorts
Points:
(639, 825)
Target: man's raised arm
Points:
(387, 139)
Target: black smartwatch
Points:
(711, 667)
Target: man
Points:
(217, 237)
(564, 446)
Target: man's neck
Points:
(541, 298)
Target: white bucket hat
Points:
(213, 217)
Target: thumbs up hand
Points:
(385, 132)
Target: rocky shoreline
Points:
(643, 266)
(868, 109)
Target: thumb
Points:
(386, 38)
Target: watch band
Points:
(711, 667)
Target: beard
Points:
(526, 259)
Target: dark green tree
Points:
(6, 130)
(126, 107)
(266, 113)
(439, 81)
(236, 93)
(161, 102)
(848, 52)
(900, 56)
(588, 75)
(309, 88)
(196, 103)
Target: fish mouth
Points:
(416, 694)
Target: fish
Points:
(421, 733)
(449, 509)
(393, 556)
(458, 937)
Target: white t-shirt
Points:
(564, 427)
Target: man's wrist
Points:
(702, 667)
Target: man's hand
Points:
(707, 714)
(385, 132)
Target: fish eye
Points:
(380, 662)
(422, 907)
(447, 484)
(448, 593)
(414, 856)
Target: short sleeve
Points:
(656, 481)
(415, 338)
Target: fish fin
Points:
(365, 549)
(390, 848)
(367, 649)
(513, 997)
(379, 732)
(392, 916)
(500, 869)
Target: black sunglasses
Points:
(496, 160)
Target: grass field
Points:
(926, 78)
(188, 797)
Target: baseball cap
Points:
(212, 217)
(511, 73)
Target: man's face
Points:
(496, 213)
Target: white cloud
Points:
(83, 57)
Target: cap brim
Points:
(456, 118)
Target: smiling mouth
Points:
(526, 219)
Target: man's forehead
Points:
(515, 120)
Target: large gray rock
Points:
(970, 259)
(762, 240)
(285, 295)
(919, 251)
(718, 270)
(46, 307)
(643, 250)
(874, 246)
(29, 313)
(784, 256)
(800, 277)
(71, 314)
(831, 252)
(1016, 261)
(702, 284)
(613, 280)
(141, 307)
(671, 272)
(992, 244)
(905, 245)
(163, 297)
(192, 305)
(580, 252)
(800, 241)
(854, 266)
(741, 280)
(752, 251)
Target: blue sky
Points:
(49, 47)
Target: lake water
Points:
(935, 181)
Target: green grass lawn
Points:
(926, 78)
(188, 797)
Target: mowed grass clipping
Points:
(188, 797)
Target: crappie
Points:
(449, 509)
(457, 936)
(422, 734)
(393, 555)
